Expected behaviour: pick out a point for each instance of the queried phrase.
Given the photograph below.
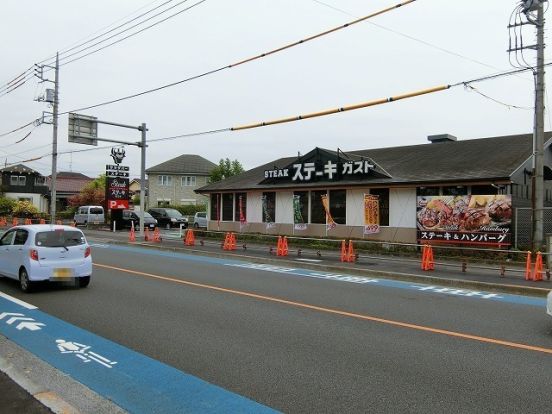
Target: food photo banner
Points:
(468, 219)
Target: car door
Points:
(19, 251)
(6, 258)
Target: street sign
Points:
(83, 129)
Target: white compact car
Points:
(45, 252)
(549, 303)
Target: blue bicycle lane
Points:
(131, 380)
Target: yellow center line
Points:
(337, 312)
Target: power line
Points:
(250, 59)
(130, 35)
(38, 120)
(362, 105)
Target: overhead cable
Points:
(128, 36)
(36, 122)
(241, 62)
(310, 115)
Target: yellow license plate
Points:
(63, 272)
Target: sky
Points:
(420, 45)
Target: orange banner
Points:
(371, 214)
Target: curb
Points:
(408, 277)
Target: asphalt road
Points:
(305, 345)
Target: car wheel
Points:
(24, 283)
(196, 226)
(84, 281)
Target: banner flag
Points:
(243, 220)
(330, 223)
(298, 221)
(371, 214)
(269, 223)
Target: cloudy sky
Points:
(423, 44)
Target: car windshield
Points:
(59, 238)
(96, 211)
(173, 213)
(146, 215)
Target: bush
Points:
(24, 209)
(6, 206)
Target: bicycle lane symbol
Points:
(82, 352)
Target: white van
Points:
(89, 215)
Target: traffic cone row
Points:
(15, 221)
(156, 235)
(132, 234)
(282, 246)
(536, 272)
(146, 234)
(347, 252)
(427, 258)
(190, 238)
(42, 221)
(229, 242)
(28, 221)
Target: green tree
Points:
(225, 169)
(93, 193)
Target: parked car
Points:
(200, 219)
(89, 215)
(130, 217)
(45, 252)
(168, 217)
(549, 303)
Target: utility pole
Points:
(538, 140)
(143, 146)
(53, 194)
(533, 13)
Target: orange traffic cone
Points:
(427, 258)
(232, 241)
(537, 273)
(226, 244)
(132, 234)
(42, 221)
(285, 249)
(156, 235)
(350, 252)
(190, 238)
(279, 246)
(528, 267)
(146, 234)
(15, 221)
(343, 251)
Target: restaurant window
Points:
(427, 191)
(303, 197)
(455, 190)
(269, 207)
(483, 189)
(241, 198)
(338, 205)
(215, 207)
(383, 194)
(318, 214)
(227, 206)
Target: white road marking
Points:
(19, 302)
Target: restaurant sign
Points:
(117, 191)
(330, 170)
(468, 219)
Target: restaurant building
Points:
(465, 192)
